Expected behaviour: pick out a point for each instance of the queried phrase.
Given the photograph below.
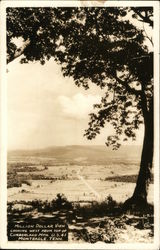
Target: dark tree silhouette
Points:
(97, 46)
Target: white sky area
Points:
(46, 109)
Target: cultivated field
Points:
(83, 176)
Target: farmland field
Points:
(83, 175)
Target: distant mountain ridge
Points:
(90, 153)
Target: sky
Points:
(46, 109)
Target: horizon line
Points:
(68, 145)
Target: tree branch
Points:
(148, 36)
(128, 88)
(145, 18)
(18, 52)
(144, 105)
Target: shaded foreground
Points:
(87, 221)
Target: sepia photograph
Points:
(80, 125)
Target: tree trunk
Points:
(139, 196)
(141, 189)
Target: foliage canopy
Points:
(92, 45)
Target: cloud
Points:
(79, 105)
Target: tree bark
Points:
(144, 176)
(139, 196)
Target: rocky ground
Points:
(92, 222)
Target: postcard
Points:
(79, 125)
